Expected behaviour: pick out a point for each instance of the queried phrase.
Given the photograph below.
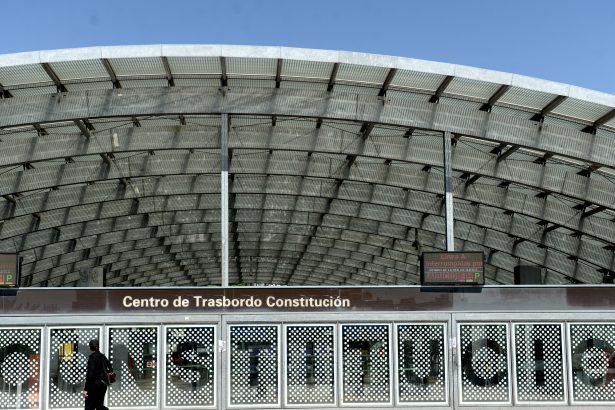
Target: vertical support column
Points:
(224, 196)
(448, 192)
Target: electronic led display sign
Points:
(9, 270)
(452, 268)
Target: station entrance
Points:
(240, 348)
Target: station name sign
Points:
(201, 302)
(452, 268)
(9, 270)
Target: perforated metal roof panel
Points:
(112, 157)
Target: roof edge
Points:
(330, 56)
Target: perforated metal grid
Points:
(309, 69)
(56, 160)
(68, 359)
(365, 370)
(190, 371)
(23, 74)
(421, 364)
(90, 69)
(310, 370)
(581, 109)
(135, 67)
(413, 79)
(473, 88)
(20, 368)
(190, 66)
(133, 354)
(539, 363)
(483, 363)
(253, 365)
(592, 362)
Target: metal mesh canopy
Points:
(112, 158)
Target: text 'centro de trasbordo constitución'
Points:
(225, 302)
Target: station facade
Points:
(151, 193)
(280, 347)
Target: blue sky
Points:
(570, 41)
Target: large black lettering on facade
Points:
(593, 362)
(133, 352)
(254, 365)
(365, 358)
(421, 360)
(68, 357)
(190, 364)
(484, 363)
(310, 374)
(539, 363)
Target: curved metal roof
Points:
(112, 157)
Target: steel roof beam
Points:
(588, 171)
(55, 178)
(472, 179)
(83, 128)
(498, 150)
(106, 158)
(129, 254)
(278, 73)
(359, 241)
(334, 71)
(54, 77)
(549, 107)
(593, 211)
(288, 102)
(387, 82)
(223, 76)
(40, 130)
(507, 153)
(543, 160)
(4, 93)
(107, 64)
(441, 88)
(494, 98)
(167, 70)
(53, 182)
(10, 198)
(599, 122)
(545, 221)
(366, 130)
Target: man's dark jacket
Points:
(97, 369)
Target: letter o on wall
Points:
(577, 366)
(466, 362)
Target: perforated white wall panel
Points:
(310, 374)
(190, 366)
(421, 364)
(68, 359)
(483, 350)
(365, 356)
(134, 357)
(539, 363)
(253, 365)
(592, 367)
(20, 368)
